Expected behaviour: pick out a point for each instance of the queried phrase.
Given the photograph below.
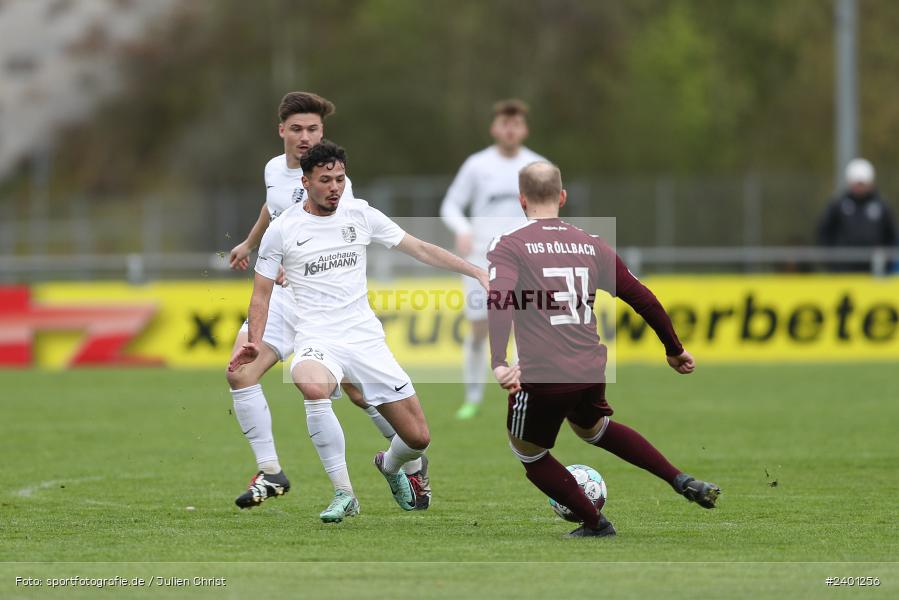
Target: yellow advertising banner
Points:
(792, 318)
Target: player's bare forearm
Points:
(259, 227)
(436, 256)
(240, 254)
(257, 314)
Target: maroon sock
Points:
(627, 444)
(555, 481)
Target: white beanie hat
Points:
(859, 170)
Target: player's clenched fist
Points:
(508, 377)
(240, 257)
(247, 354)
(683, 363)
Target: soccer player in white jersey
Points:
(321, 245)
(302, 116)
(487, 184)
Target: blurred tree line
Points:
(617, 87)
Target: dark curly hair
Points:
(321, 154)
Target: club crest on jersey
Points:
(298, 194)
(349, 233)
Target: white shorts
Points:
(369, 365)
(280, 327)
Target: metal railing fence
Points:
(139, 268)
(737, 210)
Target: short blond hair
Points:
(540, 182)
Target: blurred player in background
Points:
(858, 217)
(487, 184)
(543, 277)
(302, 117)
(322, 246)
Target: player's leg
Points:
(408, 419)
(417, 469)
(533, 423)
(591, 421)
(316, 373)
(355, 396)
(250, 405)
(474, 349)
(372, 367)
(252, 413)
(408, 445)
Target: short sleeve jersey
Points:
(486, 184)
(547, 271)
(324, 259)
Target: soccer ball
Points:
(594, 487)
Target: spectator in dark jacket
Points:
(858, 217)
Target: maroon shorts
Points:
(535, 416)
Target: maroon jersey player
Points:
(543, 277)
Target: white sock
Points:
(475, 361)
(327, 437)
(251, 410)
(398, 455)
(387, 431)
(413, 466)
(380, 422)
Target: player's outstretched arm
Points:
(436, 256)
(257, 315)
(241, 252)
(643, 301)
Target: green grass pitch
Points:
(98, 467)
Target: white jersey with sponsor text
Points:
(324, 259)
(284, 186)
(488, 183)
